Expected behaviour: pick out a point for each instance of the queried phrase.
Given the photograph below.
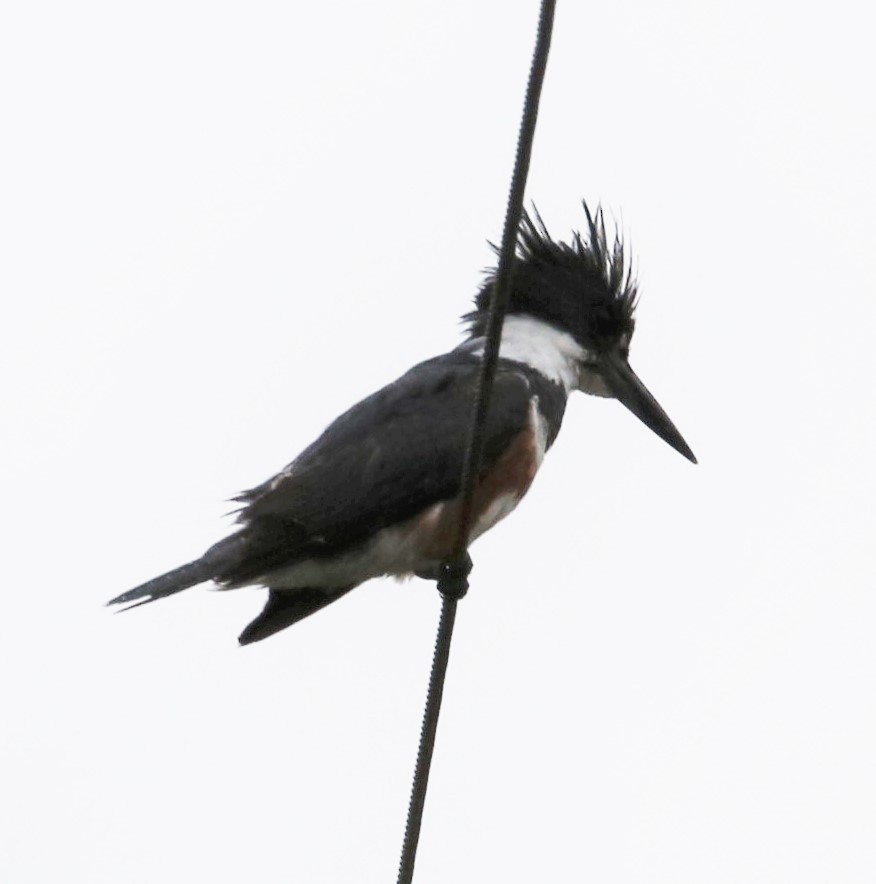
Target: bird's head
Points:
(585, 289)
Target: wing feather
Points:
(383, 461)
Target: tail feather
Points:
(223, 562)
(167, 584)
(288, 606)
(210, 566)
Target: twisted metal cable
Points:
(453, 583)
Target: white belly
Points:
(423, 542)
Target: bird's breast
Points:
(497, 492)
(425, 540)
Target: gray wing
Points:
(383, 461)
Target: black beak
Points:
(621, 380)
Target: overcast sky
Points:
(224, 223)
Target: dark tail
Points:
(223, 562)
(165, 585)
(288, 606)
(208, 567)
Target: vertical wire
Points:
(502, 284)
(440, 659)
(453, 583)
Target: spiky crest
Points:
(585, 287)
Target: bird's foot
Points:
(453, 576)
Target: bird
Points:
(379, 492)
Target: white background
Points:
(222, 224)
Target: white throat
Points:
(540, 345)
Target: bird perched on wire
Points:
(378, 493)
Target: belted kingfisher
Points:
(379, 491)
